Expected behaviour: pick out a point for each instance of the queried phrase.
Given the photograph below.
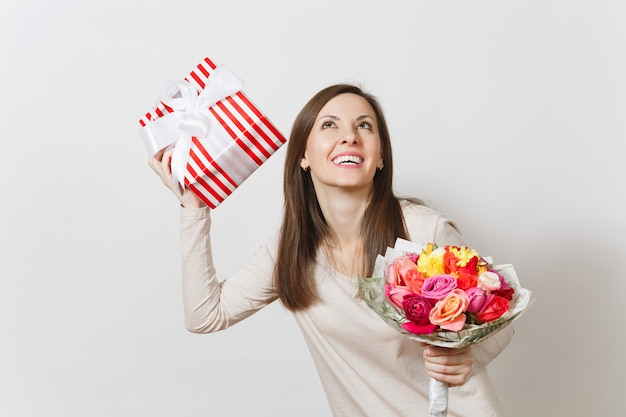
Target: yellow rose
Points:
(430, 263)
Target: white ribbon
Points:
(191, 116)
(438, 398)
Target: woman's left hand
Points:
(449, 365)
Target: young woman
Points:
(339, 213)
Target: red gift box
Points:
(220, 136)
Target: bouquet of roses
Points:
(445, 296)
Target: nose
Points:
(349, 136)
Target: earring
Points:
(305, 166)
(380, 165)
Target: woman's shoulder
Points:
(425, 224)
(417, 208)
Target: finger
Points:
(160, 164)
(448, 357)
(156, 157)
(452, 375)
(159, 155)
(166, 160)
(452, 366)
(441, 352)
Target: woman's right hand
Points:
(160, 163)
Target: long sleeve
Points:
(210, 305)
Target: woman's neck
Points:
(343, 212)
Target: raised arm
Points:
(211, 305)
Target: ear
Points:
(304, 164)
(380, 164)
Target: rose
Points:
(468, 267)
(413, 257)
(430, 261)
(466, 281)
(493, 309)
(450, 260)
(411, 327)
(394, 277)
(505, 293)
(398, 268)
(505, 290)
(417, 310)
(465, 264)
(403, 271)
(448, 313)
(396, 293)
(437, 287)
(456, 257)
(489, 281)
(468, 274)
(477, 299)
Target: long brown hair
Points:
(304, 227)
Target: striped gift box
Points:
(241, 138)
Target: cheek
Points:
(317, 149)
(375, 148)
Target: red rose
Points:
(470, 268)
(494, 309)
(417, 308)
(466, 281)
(505, 293)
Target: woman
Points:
(339, 213)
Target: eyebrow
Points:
(332, 116)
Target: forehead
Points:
(347, 105)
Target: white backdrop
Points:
(507, 116)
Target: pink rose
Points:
(396, 293)
(448, 313)
(437, 287)
(403, 271)
(413, 257)
(417, 310)
(477, 299)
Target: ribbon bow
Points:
(190, 116)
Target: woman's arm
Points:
(210, 305)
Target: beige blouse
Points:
(366, 367)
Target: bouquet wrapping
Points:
(444, 296)
(219, 136)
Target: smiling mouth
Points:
(348, 160)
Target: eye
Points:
(327, 124)
(364, 125)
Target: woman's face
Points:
(343, 148)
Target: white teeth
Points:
(348, 159)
